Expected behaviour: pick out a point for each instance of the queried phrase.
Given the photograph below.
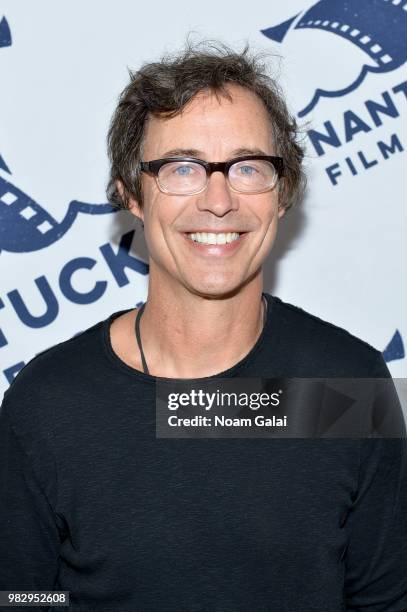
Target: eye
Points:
(247, 170)
(184, 170)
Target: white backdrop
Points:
(340, 255)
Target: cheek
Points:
(168, 213)
(269, 212)
(270, 223)
(160, 222)
(158, 211)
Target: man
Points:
(204, 151)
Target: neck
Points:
(185, 335)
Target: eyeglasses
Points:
(189, 175)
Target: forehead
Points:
(213, 124)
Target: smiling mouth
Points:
(214, 238)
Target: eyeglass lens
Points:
(186, 177)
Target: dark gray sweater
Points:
(92, 502)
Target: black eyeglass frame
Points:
(154, 166)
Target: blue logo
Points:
(5, 34)
(24, 225)
(377, 27)
(395, 349)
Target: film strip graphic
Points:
(377, 27)
(26, 226)
(361, 28)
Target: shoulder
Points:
(58, 372)
(324, 346)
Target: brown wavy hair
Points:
(163, 88)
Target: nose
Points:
(217, 197)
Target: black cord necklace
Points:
(138, 336)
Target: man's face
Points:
(213, 130)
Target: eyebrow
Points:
(201, 154)
(184, 152)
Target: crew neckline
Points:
(149, 378)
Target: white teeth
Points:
(209, 238)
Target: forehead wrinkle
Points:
(204, 102)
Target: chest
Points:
(162, 505)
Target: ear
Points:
(134, 207)
(281, 211)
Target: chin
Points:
(215, 289)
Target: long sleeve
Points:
(376, 558)
(29, 536)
